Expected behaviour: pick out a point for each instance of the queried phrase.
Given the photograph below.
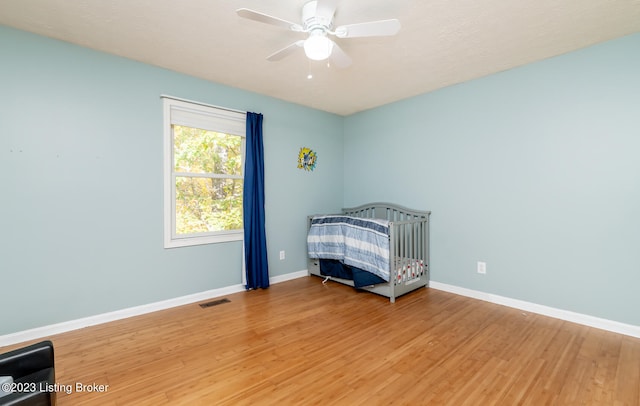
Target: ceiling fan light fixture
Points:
(318, 47)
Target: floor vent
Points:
(214, 303)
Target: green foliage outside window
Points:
(213, 200)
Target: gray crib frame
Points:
(408, 238)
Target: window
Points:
(203, 173)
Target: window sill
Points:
(203, 239)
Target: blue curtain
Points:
(255, 240)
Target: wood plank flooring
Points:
(304, 343)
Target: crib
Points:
(408, 236)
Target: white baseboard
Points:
(40, 332)
(288, 276)
(591, 321)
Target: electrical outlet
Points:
(482, 267)
(281, 255)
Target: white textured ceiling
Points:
(442, 42)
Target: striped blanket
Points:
(359, 242)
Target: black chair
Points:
(33, 371)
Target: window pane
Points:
(205, 205)
(202, 151)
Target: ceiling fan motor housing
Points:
(311, 21)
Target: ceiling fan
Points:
(317, 21)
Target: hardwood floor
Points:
(304, 343)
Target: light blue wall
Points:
(535, 170)
(81, 174)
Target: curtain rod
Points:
(164, 96)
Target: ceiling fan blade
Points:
(326, 8)
(286, 51)
(267, 19)
(338, 57)
(380, 28)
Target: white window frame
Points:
(193, 114)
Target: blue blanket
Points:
(360, 278)
(359, 242)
